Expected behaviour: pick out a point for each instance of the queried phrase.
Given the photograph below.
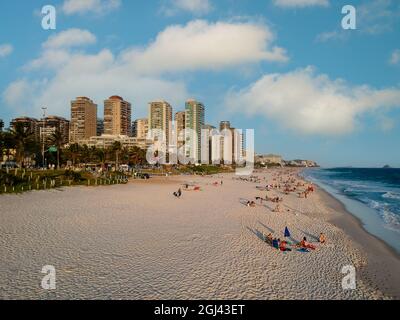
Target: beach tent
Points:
(287, 232)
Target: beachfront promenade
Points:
(137, 241)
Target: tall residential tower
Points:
(117, 117)
(83, 119)
(194, 122)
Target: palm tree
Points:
(101, 155)
(21, 137)
(57, 140)
(74, 150)
(6, 144)
(125, 155)
(137, 155)
(116, 147)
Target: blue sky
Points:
(283, 67)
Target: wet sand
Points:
(382, 269)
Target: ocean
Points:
(372, 195)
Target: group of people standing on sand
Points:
(305, 193)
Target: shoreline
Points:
(383, 262)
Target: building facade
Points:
(117, 116)
(100, 127)
(31, 124)
(160, 121)
(142, 128)
(52, 124)
(83, 119)
(194, 122)
(1, 125)
(107, 141)
(180, 125)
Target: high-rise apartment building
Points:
(231, 143)
(30, 124)
(180, 120)
(52, 124)
(206, 143)
(117, 116)
(194, 122)
(133, 129)
(1, 125)
(100, 127)
(142, 128)
(160, 120)
(83, 119)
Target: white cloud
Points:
(95, 75)
(5, 50)
(395, 57)
(210, 46)
(56, 48)
(301, 3)
(309, 103)
(65, 70)
(70, 38)
(196, 7)
(377, 16)
(70, 7)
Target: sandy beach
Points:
(137, 241)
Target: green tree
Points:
(137, 156)
(22, 140)
(73, 152)
(117, 148)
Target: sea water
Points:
(372, 195)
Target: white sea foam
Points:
(391, 195)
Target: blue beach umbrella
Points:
(287, 232)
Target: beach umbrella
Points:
(287, 232)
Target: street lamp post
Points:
(43, 136)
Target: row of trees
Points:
(116, 154)
(20, 143)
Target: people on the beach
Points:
(283, 246)
(178, 193)
(275, 243)
(277, 208)
(322, 238)
(269, 238)
(251, 204)
(306, 245)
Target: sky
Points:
(286, 68)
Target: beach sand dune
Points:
(137, 241)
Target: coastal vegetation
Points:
(24, 168)
(21, 180)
